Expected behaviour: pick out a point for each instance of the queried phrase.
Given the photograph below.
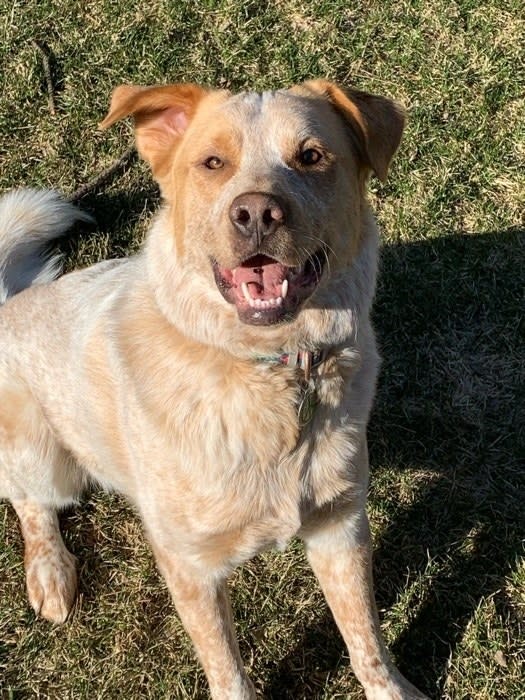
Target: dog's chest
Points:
(248, 472)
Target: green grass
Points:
(447, 433)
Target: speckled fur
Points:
(139, 375)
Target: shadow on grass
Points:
(116, 213)
(449, 318)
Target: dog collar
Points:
(306, 361)
(302, 359)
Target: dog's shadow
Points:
(120, 218)
(444, 442)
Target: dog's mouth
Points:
(266, 291)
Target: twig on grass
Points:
(46, 63)
(105, 176)
(109, 173)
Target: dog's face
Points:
(265, 190)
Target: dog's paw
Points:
(51, 579)
(408, 692)
(398, 689)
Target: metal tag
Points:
(309, 401)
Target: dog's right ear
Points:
(377, 122)
(161, 113)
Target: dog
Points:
(221, 379)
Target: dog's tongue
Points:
(263, 276)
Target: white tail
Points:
(29, 220)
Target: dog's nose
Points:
(256, 214)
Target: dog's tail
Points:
(29, 220)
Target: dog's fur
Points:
(155, 376)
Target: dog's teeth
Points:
(272, 303)
(246, 292)
(261, 304)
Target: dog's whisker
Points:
(325, 248)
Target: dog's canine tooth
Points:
(246, 292)
(284, 290)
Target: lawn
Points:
(447, 433)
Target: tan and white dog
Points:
(222, 379)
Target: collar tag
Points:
(305, 360)
(308, 405)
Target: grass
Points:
(446, 499)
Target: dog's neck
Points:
(188, 298)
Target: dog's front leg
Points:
(204, 608)
(340, 555)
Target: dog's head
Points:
(265, 191)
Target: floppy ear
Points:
(161, 113)
(377, 122)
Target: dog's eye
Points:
(310, 156)
(213, 163)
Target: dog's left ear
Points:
(162, 114)
(377, 122)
